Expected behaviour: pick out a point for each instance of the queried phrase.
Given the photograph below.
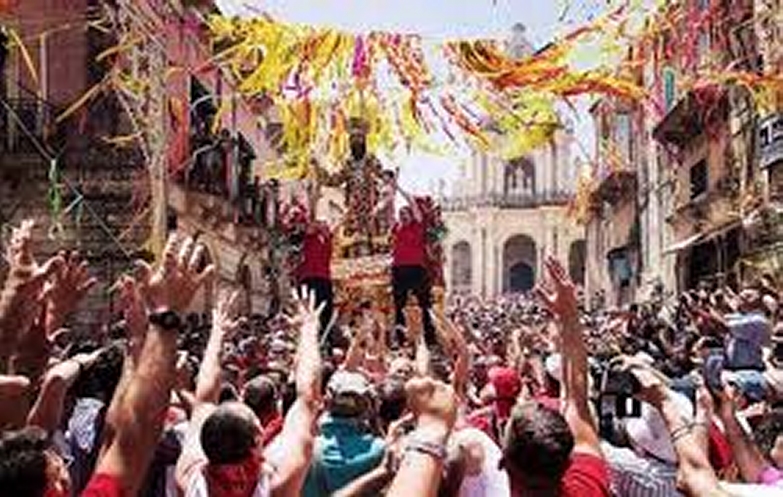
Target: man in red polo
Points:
(409, 272)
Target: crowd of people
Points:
(527, 395)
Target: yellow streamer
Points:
(28, 60)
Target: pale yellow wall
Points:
(500, 225)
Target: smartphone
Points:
(713, 370)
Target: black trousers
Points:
(324, 292)
(407, 280)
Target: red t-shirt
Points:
(586, 476)
(409, 244)
(103, 486)
(317, 255)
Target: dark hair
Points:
(227, 393)
(288, 396)
(227, 436)
(261, 396)
(537, 444)
(23, 462)
(768, 430)
(100, 379)
(392, 400)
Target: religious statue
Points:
(360, 179)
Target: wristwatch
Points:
(166, 320)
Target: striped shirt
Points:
(637, 476)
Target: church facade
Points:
(504, 217)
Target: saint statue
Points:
(360, 178)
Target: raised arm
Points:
(750, 460)
(695, 473)
(208, 383)
(21, 299)
(417, 215)
(141, 407)
(223, 324)
(48, 408)
(434, 404)
(297, 435)
(560, 298)
(458, 347)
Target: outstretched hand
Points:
(21, 297)
(224, 315)
(68, 285)
(306, 314)
(176, 281)
(558, 293)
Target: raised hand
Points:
(134, 313)
(68, 285)
(306, 313)
(654, 386)
(433, 403)
(224, 317)
(176, 281)
(21, 298)
(558, 294)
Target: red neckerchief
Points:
(273, 425)
(233, 480)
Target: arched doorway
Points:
(577, 256)
(461, 270)
(519, 264)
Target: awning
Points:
(684, 244)
(703, 237)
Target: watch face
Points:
(170, 321)
(167, 320)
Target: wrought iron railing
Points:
(506, 201)
(23, 115)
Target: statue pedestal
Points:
(361, 279)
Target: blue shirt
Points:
(344, 450)
(749, 333)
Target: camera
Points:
(713, 370)
(616, 401)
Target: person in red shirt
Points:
(409, 272)
(314, 270)
(546, 452)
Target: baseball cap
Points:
(348, 383)
(507, 385)
(752, 384)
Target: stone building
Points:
(194, 163)
(691, 160)
(504, 218)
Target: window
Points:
(624, 138)
(699, 178)
(669, 88)
(703, 49)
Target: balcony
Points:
(771, 141)
(689, 118)
(24, 117)
(616, 185)
(506, 201)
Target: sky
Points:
(439, 20)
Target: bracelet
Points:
(432, 449)
(701, 424)
(681, 432)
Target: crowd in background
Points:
(525, 395)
